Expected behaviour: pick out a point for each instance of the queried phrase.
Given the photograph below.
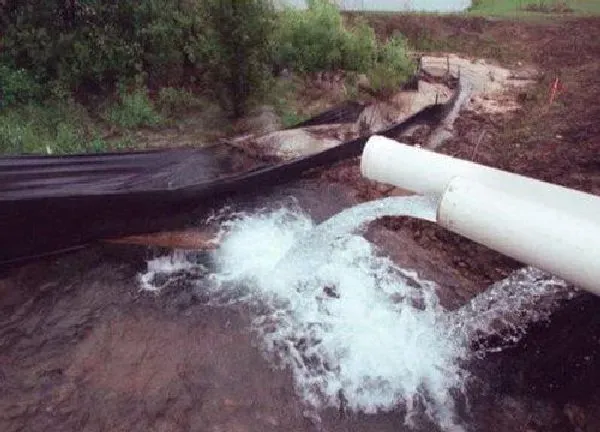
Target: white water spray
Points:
(353, 327)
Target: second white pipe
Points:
(547, 238)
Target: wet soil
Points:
(82, 349)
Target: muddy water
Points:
(82, 349)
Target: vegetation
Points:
(133, 110)
(237, 48)
(51, 128)
(533, 7)
(316, 40)
(393, 66)
(156, 58)
(172, 101)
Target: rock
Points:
(289, 144)
(262, 120)
(363, 81)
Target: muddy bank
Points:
(82, 349)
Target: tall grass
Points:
(52, 128)
(134, 109)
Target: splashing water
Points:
(506, 308)
(317, 245)
(354, 328)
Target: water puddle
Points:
(358, 332)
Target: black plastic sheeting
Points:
(51, 204)
(348, 112)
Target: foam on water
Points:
(171, 267)
(355, 329)
(343, 318)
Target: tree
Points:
(238, 49)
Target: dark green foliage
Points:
(17, 86)
(95, 43)
(91, 45)
(237, 48)
(134, 109)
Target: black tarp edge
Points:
(41, 225)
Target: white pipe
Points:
(548, 226)
(530, 232)
(426, 172)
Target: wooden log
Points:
(186, 240)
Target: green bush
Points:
(72, 42)
(237, 49)
(316, 39)
(17, 86)
(394, 66)
(360, 48)
(134, 109)
(97, 43)
(52, 128)
(170, 34)
(173, 100)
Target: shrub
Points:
(17, 86)
(316, 39)
(74, 42)
(133, 110)
(52, 128)
(360, 48)
(168, 33)
(237, 49)
(394, 66)
(96, 43)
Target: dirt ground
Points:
(82, 349)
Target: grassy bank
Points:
(535, 8)
(73, 73)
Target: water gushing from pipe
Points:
(354, 328)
